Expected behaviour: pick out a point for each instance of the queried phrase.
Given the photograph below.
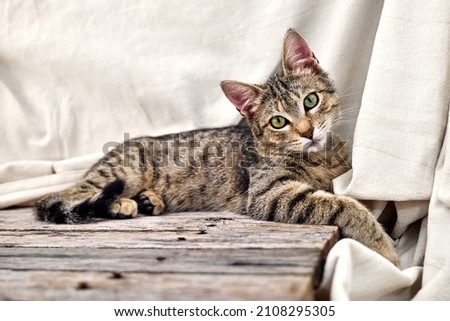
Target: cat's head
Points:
(296, 108)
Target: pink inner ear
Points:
(297, 52)
(242, 101)
(240, 95)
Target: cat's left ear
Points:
(241, 95)
(296, 53)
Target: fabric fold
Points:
(399, 155)
(25, 191)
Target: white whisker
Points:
(345, 90)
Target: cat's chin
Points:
(315, 145)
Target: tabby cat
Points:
(278, 168)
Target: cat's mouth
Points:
(314, 144)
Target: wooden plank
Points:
(180, 256)
(170, 240)
(42, 285)
(224, 261)
(23, 220)
(179, 230)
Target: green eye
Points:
(278, 122)
(310, 101)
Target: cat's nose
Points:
(308, 134)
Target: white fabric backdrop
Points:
(76, 75)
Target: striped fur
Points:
(281, 175)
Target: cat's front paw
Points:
(149, 203)
(144, 204)
(383, 244)
(392, 256)
(124, 208)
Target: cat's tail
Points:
(64, 208)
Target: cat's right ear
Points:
(242, 96)
(296, 53)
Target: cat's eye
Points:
(278, 122)
(310, 101)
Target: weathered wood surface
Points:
(184, 256)
(146, 286)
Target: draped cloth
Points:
(77, 77)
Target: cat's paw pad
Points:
(149, 203)
(145, 206)
(124, 208)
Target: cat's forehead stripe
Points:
(278, 88)
(280, 106)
